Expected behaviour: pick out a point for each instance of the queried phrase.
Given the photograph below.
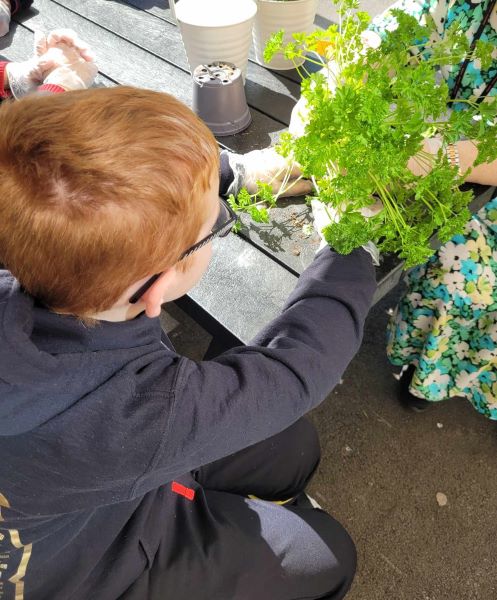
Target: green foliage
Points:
(255, 205)
(273, 45)
(363, 128)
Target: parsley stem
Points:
(388, 202)
(284, 182)
(294, 182)
(464, 101)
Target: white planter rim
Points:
(283, 1)
(198, 20)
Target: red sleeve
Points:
(52, 88)
(3, 92)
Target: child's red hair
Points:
(99, 189)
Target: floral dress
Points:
(446, 323)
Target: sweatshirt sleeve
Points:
(45, 88)
(250, 393)
(226, 175)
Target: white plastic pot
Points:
(294, 16)
(216, 30)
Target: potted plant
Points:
(368, 113)
(272, 15)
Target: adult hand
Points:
(422, 163)
(270, 167)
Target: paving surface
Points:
(382, 469)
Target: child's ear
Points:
(153, 298)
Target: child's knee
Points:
(338, 573)
(321, 557)
(303, 446)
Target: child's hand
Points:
(67, 45)
(325, 214)
(24, 77)
(78, 76)
(60, 48)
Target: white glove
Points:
(269, 167)
(65, 40)
(324, 214)
(60, 47)
(78, 76)
(300, 112)
(24, 77)
(4, 17)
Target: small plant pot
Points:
(219, 98)
(216, 30)
(294, 16)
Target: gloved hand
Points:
(269, 167)
(324, 214)
(67, 41)
(60, 47)
(77, 76)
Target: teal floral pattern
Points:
(446, 324)
(469, 14)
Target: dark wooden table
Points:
(137, 43)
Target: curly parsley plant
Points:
(369, 111)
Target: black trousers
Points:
(225, 546)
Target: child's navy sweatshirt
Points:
(96, 422)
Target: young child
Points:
(127, 470)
